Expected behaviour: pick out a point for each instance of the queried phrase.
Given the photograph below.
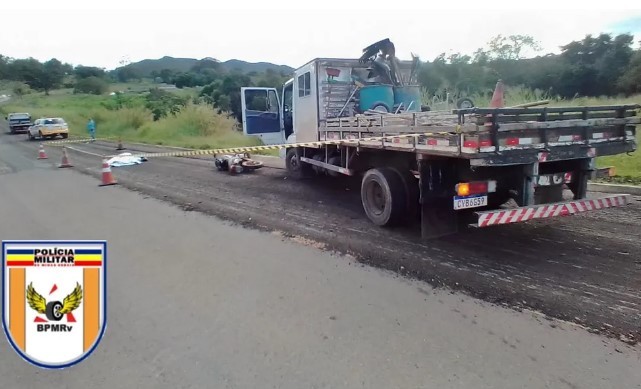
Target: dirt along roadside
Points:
(584, 269)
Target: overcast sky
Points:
(290, 32)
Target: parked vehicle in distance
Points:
(18, 122)
(48, 128)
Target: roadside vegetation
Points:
(156, 117)
(197, 104)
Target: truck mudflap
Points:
(544, 211)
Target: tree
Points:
(630, 80)
(4, 63)
(127, 73)
(595, 64)
(166, 75)
(88, 71)
(52, 75)
(271, 79)
(184, 80)
(91, 85)
(511, 47)
(28, 70)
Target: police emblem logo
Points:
(54, 309)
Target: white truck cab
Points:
(322, 88)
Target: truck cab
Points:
(18, 122)
(269, 114)
(321, 89)
(278, 117)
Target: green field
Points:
(195, 126)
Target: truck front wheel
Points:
(295, 167)
(383, 196)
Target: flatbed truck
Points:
(471, 167)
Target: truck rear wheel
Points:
(412, 191)
(384, 196)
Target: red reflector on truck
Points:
(478, 187)
(470, 144)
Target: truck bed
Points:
(489, 136)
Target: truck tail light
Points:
(474, 188)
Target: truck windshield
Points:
(19, 117)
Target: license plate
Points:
(470, 202)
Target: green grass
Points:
(627, 167)
(196, 126)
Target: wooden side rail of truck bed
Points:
(474, 133)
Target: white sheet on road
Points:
(125, 159)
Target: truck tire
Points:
(410, 183)
(65, 136)
(295, 167)
(383, 196)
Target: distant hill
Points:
(147, 66)
(247, 67)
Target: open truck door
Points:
(261, 114)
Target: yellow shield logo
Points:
(54, 299)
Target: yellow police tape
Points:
(56, 142)
(279, 146)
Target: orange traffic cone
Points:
(498, 98)
(41, 152)
(120, 144)
(107, 176)
(65, 159)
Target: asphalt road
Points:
(585, 269)
(197, 302)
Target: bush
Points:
(162, 103)
(20, 89)
(91, 85)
